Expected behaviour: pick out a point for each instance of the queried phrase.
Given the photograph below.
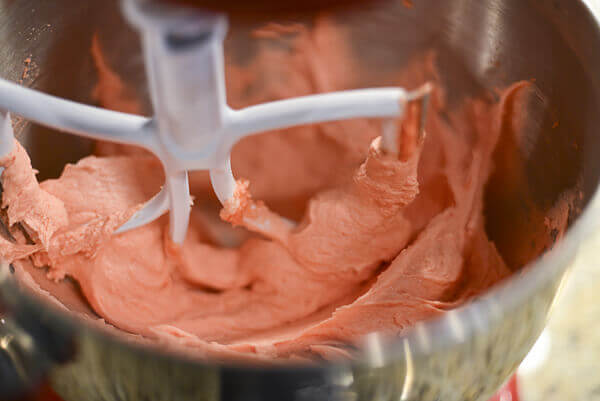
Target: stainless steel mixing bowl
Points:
(464, 355)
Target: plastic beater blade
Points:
(65, 115)
(180, 203)
(7, 136)
(223, 181)
(175, 198)
(153, 209)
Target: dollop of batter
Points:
(373, 239)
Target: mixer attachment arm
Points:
(193, 128)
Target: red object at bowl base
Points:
(509, 392)
(44, 393)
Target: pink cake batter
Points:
(373, 239)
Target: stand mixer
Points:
(193, 127)
(464, 355)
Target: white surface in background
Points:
(595, 6)
(537, 356)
